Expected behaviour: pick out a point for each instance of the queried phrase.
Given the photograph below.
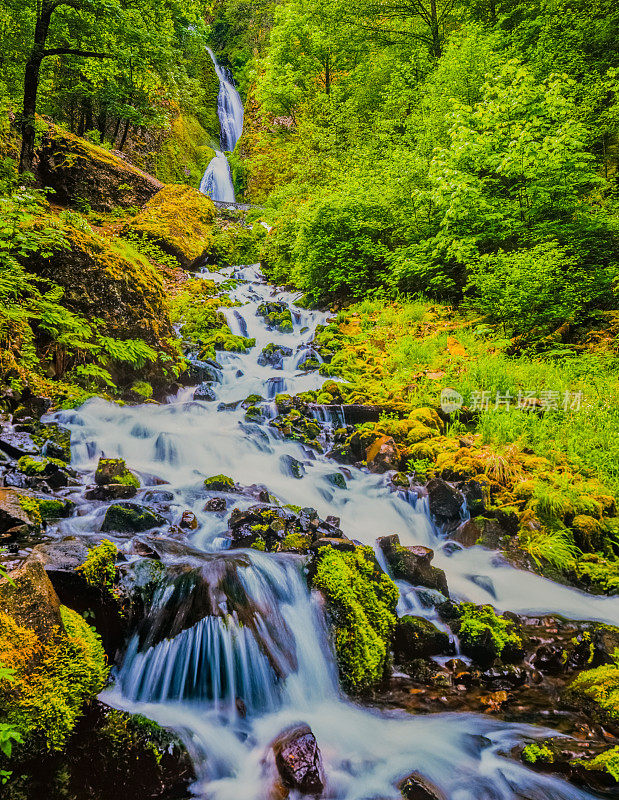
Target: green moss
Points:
(35, 466)
(608, 761)
(186, 152)
(296, 541)
(600, 686)
(180, 220)
(99, 569)
(535, 753)
(258, 545)
(52, 679)
(598, 572)
(483, 632)
(142, 389)
(55, 509)
(114, 470)
(219, 483)
(32, 508)
(362, 601)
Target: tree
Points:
(38, 52)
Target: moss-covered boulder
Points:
(108, 279)
(131, 518)
(57, 660)
(180, 220)
(413, 564)
(417, 637)
(219, 483)
(484, 635)
(19, 514)
(79, 171)
(361, 602)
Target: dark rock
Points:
(336, 479)
(298, 760)
(383, 455)
(131, 518)
(342, 543)
(17, 444)
(158, 496)
(477, 496)
(445, 502)
(15, 520)
(417, 637)
(113, 470)
(355, 414)
(111, 491)
(273, 355)
(189, 521)
(291, 466)
(416, 787)
(413, 564)
(204, 392)
(467, 534)
(75, 168)
(215, 504)
(200, 372)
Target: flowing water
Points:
(259, 658)
(234, 647)
(217, 180)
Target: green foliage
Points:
(362, 601)
(608, 761)
(600, 686)
(51, 680)
(99, 569)
(535, 753)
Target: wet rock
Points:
(298, 760)
(416, 787)
(467, 534)
(131, 518)
(445, 502)
(477, 496)
(158, 496)
(344, 544)
(356, 414)
(17, 443)
(417, 637)
(219, 483)
(215, 504)
(189, 521)
(55, 508)
(45, 473)
(336, 479)
(291, 466)
(276, 315)
(383, 455)
(111, 491)
(200, 371)
(18, 514)
(400, 480)
(503, 677)
(413, 564)
(273, 356)
(205, 393)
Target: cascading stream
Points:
(231, 682)
(217, 180)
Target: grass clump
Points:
(362, 601)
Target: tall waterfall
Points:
(217, 180)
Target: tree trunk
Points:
(116, 130)
(31, 87)
(437, 45)
(124, 138)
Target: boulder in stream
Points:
(131, 518)
(416, 787)
(417, 637)
(413, 564)
(299, 761)
(445, 503)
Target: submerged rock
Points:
(416, 787)
(299, 761)
(205, 393)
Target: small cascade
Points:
(217, 180)
(233, 648)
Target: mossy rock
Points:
(110, 281)
(56, 508)
(427, 417)
(588, 532)
(180, 220)
(131, 518)
(79, 170)
(219, 483)
(58, 661)
(361, 603)
(114, 470)
(417, 637)
(485, 635)
(19, 514)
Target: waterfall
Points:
(217, 180)
(234, 648)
